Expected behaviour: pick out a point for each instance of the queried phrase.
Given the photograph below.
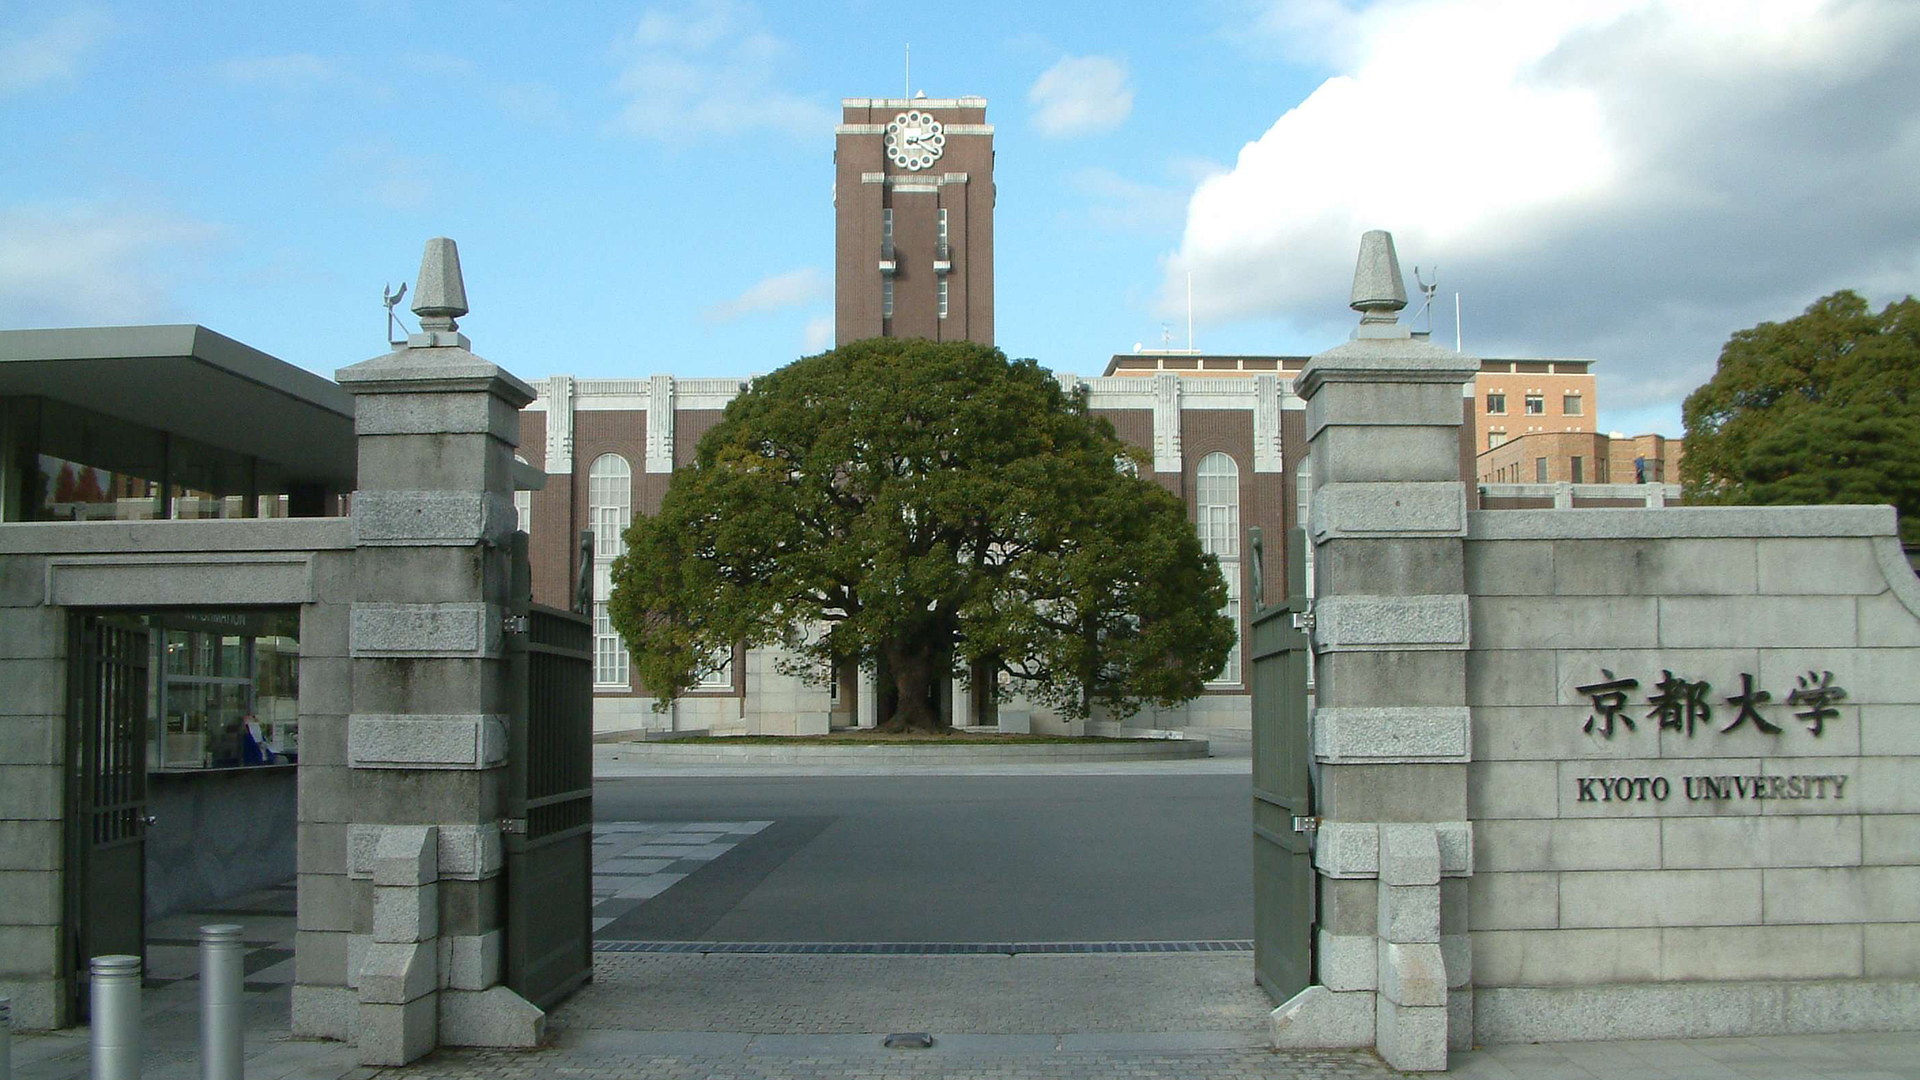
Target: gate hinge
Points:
(514, 624)
(1303, 620)
(514, 826)
(1305, 824)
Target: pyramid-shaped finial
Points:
(1378, 292)
(440, 296)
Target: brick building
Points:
(913, 206)
(1569, 457)
(913, 219)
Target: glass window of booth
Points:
(59, 462)
(225, 689)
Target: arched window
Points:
(523, 504)
(1217, 517)
(609, 504)
(609, 509)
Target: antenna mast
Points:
(1189, 309)
(909, 93)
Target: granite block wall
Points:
(1694, 788)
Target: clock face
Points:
(914, 140)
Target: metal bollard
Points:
(116, 1018)
(221, 974)
(6, 1039)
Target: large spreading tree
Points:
(1822, 408)
(929, 510)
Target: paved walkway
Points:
(799, 1012)
(616, 761)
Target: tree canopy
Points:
(1821, 408)
(924, 509)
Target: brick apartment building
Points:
(1568, 457)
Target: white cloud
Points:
(1624, 179)
(791, 289)
(707, 68)
(72, 264)
(818, 334)
(1081, 95)
(1123, 204)
(52, 53)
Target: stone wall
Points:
(1706, 876)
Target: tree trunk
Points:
(913, 671)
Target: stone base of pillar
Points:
(325, 1012)
(492, 1017)
(398, 1034)
(1460, 1019)
(1412, 1038)
(1321, 1019)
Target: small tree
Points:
(926, 507)
(1821, 408)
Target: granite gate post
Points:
(423, 789)
(1390, 724)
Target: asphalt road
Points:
(955, 858)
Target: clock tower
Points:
(913, 219)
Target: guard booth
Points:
(1283, 815)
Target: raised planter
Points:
(804, 753)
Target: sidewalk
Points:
(800, 1011)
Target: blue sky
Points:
(639, 188)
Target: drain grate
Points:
(907, 1040)
(919, 948)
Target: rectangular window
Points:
(720, 676)
(1579, 470)
(943, 225)
(1495, 438)
(523, 510)
(609, 651)
(886, 298)
(886, 226)
(222, 687)
(1570, 405)
(1540, 470)
(1230, 671)
(943, 294)
(1496, 404)
(1536, 405)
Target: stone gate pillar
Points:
(423, 789)
(1390, 728)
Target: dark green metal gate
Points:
(106, 829)
(1283, 898)
(549, 840)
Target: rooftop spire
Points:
(1378, 292)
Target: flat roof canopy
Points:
(189, 381)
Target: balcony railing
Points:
(942, 257)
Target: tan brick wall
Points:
(1517, 460)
